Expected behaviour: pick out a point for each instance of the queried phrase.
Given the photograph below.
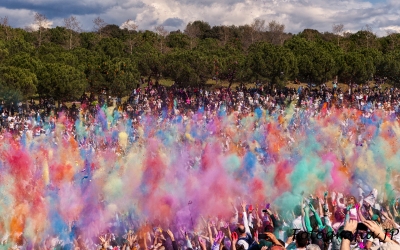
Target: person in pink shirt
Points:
(352, 208)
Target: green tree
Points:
(389, 67)
(230, 65)
(187, 67)
(49, 53)
(19, 45)
(88, 40)
(25, 61)
(121, 76)
(22, 81)
(62, 82)
(315, 59)
(355, 67)
(58, 35)
(111, 47)
(149, 61)
(269, 62)
(113, 31)
(177, 40)
(5, 27)
(3, 50)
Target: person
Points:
(298, 222)
(301, 240)
(245, 238)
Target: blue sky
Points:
(381, 15)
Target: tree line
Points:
(64, 61)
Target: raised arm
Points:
(272, 218)
(234, 240)
(320, 209)
(395, 210)
(326, 211)
(250, 219)
(359, 213)
(171, 235)
(210, 236)
(202, 244)
(214, 228)
(245, 222)
(349, 230)
(236, 217)
(339, 204)
(218, 239)
(307, 218)
(317, 218)
(229, 230)
(389, 213)
(257, 216)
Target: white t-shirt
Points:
(298, 223)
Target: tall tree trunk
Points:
(40, 37)
(70, 40)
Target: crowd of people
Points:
(36, 118)
(363, 218)
(334, 221)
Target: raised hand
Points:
(255, 236)
(202, 243)
(182, 232)
(131, 239)
(186, 236)
(159, 244)
(104, 241)
(233, 205)
(272, 238)
(235, 238)
(311, 208)
(171, 235)
(351, 226)
(376, 230)
(307, 209)
(243, 205)
(219, 237)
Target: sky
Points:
(381, 15)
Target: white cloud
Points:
(391, 29)
(129, 25)
(297, 15)
(46, 25)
